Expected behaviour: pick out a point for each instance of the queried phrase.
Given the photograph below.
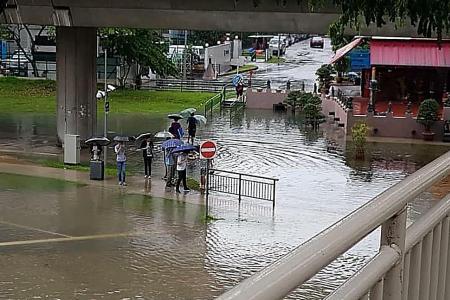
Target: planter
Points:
(428, 136)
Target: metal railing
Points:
(235, 108)
(213, 102)
(242, 185)
(411, 264)
(184, 85)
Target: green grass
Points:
(39, 96)
(276, 60)
(193, 184)
(32, 183)
(109, 171)
(125, 101)
(242, 69)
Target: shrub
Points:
(359, 136)
(428, 113)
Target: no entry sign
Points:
(208, 150)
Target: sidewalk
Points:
(136, 184)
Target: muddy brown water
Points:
(161, 249)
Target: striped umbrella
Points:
(172, 143)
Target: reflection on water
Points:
(170, 253)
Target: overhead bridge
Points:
(223, 15)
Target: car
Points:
(18, 63)
(316, 42)
(278, 41)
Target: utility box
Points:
(72, 149)
(97, 170)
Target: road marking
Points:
(33, 228)
(67, 239)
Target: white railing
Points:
(411, 264)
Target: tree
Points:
(142, 48)
(428, 113)
(359, 138)
(12, 32)
(430, 16)
(324, 74)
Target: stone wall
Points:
(382, 126)
(264, 98)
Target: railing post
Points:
(393, 231)
(240, 192)
(274, 184)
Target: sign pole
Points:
(105, 132)
(207, 190)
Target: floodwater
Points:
(161, 249)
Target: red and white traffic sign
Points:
(208, 150)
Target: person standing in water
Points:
(192, 128)
(121, 162)
(181, 168)
(147, 153)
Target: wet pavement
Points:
(162, 249)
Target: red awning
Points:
(410, 53)
(346, 49)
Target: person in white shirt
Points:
(181, 168)
(121, 162)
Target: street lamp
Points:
(104, 95)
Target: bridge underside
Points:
(221, 15)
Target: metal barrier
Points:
(411, 264)
(184, 85)
(213, 102)
(242, 185)
(235, 108)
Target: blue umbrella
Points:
(172, 143)
(236, 79)
(185, 148)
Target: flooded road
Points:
(161, 249)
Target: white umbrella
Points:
(200, 119)
(163, 135)
(187, 112)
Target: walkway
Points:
(136, 184)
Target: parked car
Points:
(18, 63)
(316, 42)
(276, 42)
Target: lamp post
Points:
(105, 130)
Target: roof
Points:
(346, 49)
(410, 52)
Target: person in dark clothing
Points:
(147, 153)
(239, 90)
(176, 130)
(192, 128)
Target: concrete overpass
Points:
(77, 20)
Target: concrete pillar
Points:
(76, 51)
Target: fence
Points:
(242, 185)
(184, 85)
(235, 108)
(411, 264)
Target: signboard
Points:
(208, 150)
(360, 59)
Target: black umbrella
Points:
(101, 141)
(175, 116)
(144, 136)
(121, 139)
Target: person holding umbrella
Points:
(192, 128)
(147, 154)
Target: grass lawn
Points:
(242, 69)
(22, 95)
(276, 59)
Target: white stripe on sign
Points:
(208, 149)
